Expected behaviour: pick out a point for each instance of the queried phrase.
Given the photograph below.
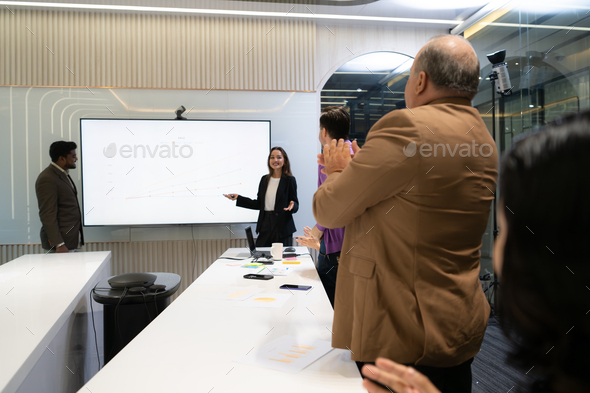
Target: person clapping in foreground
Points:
(541, 257)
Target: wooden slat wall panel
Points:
(184, 257)
(8, 252)
(74, 48)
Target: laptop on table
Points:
(253, 252)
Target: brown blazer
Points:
(408, 286)
(58, 209)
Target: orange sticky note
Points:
(291, 262)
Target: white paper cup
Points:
(277, 251)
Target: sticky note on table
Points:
(291, 262)
(252, 265)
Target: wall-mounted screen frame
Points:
(170, 172)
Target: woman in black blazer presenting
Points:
(277, 201)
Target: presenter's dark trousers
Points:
(328, 270)
(456, 379)
(269, 233)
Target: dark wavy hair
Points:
(286, 165)
(545, 297)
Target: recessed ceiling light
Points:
(532, 26)
(359, 89)
(531, 106)
(448, 4)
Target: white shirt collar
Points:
(60, 168)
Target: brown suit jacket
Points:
(58, 209)
(408, 286)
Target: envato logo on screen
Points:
(463, 150)
(146, 151)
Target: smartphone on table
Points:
(296, 287)
(259, 276)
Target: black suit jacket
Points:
(58, 209)
(286, 192)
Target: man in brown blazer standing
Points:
(59, 210)
(415, 201)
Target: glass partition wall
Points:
(548, 57)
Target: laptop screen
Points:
(251, 244)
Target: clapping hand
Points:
(308, 240)
(337, 155)
(309, 233)
(397, 377)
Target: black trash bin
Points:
(127, 311)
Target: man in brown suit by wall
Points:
(415, 201)
(58, 201)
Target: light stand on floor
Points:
(499, 79)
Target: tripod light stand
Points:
(500, 80)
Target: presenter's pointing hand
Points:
(233, 197)
(290, 207)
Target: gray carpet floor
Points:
(490, 371)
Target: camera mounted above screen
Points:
(181, 109)
(500, 72)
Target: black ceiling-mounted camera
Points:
(179, 112)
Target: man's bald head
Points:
(451, 65)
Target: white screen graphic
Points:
(149, 172)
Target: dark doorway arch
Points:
(368, 86)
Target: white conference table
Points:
(192, 344)
(39, 297)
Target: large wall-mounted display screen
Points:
(153, 172)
